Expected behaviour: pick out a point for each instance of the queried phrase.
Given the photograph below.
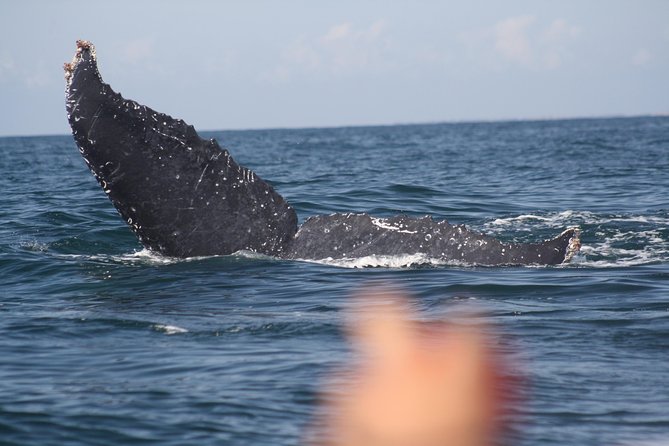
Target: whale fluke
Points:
(182, 195)
(185, 196)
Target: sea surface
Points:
(104, 343)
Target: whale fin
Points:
(182, 195)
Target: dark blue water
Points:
(102, 343)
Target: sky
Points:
(268, 64)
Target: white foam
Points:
(150, 257)
(34, 245)
(571, 218)
(649, 247)
(380, 261)
(145, 256)
(561, 219)
(169, 329)
(524, 217)
(612, 245)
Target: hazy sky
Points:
(258, 64)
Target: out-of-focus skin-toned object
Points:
(416, 383)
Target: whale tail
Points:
(182, 195)
(185, 196)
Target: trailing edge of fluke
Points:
(184, 196)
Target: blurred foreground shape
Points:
(414, 383)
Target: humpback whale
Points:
(184, 196)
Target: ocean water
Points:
(103, 343)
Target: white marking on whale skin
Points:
(168, 136)
(201, 176)
(382, 223)
(75, 105)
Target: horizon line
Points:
(402, 124)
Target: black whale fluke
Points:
(184, 196)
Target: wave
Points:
(569, 217)
(144, 256)
(608, 240)
(169, 329)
